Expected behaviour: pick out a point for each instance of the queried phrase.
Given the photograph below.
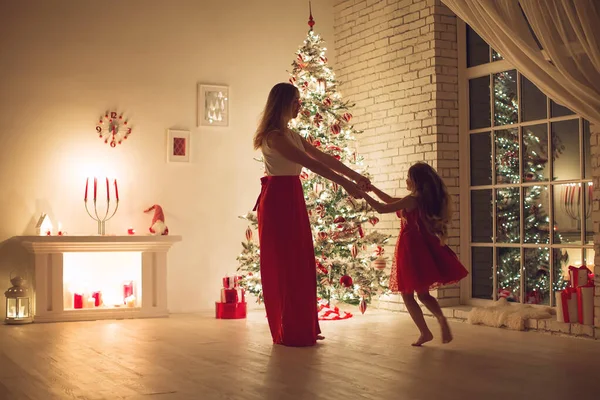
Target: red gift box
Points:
(580, 276)
(585, 305)
(230, 310)
(567, 305)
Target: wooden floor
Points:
(366, 357)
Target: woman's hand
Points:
(353, 190)
(363, 183)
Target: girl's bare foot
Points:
(424, 338)
(446, 333)
(320, 337)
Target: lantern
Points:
(18, 302)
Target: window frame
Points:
(489, 69)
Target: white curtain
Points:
(568, 68)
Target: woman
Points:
(287, 259)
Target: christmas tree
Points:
(536, 222)
(349, 261)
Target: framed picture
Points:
(178, 145)
(213, 105)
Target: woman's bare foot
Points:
(446, 332)
(424, 338)
(320, 337)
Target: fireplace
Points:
(78, 278)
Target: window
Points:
(529, 184)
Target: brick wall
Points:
(397, 61)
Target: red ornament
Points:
(361, 233)
(320, 210)
(293, 80)
(248, 234)
(373, 220)
(321, 268)
(354, 251)
(337, 157)
(327, 102)
(346, 281)
(306, 113)
(300, 58)
(336, 129)
(347, 117)
(324, 59)
(303, 176)
(379, 263)
(310, 139)
(379, 251)
(362, 306)
(316, 143)
(335, 187)
(339, 219)
(318, 118)
(322, 235)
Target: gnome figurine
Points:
(158, 226)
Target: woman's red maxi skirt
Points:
(287, 262)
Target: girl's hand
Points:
(353, 190)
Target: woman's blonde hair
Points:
(434, 200)
(277, 111)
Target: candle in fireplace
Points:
(77, 300)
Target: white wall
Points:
(63, 63)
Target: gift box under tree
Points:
(233, 300)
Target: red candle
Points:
(77, 300)
(127, 290)
(86, 188)
(116, 190)
(97, 298)
(95, 187)
(107, 191)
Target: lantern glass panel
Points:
(11, 308)
(23, 309)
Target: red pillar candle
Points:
(87, 180)
(127, 290)
(77, 300)
(116, 190)
(107, 190)
(95, 188)
(97, 298)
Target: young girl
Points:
(422, 260)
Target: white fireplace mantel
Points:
(48, 287)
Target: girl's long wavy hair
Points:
(433, 198)
(277, 112)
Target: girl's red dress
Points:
(421, 263)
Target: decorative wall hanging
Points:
(178, 145)
(213, 105)
(113, 128)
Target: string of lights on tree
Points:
(350, 266)
(536, 221)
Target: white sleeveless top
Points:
(278, 165)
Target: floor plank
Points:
(366, 357)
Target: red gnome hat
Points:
(158, 226)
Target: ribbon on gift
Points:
(580, 276)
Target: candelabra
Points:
(571, 198)
(101, 220)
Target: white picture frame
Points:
(178, 146)
(213, 105)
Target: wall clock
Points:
(113, 128)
